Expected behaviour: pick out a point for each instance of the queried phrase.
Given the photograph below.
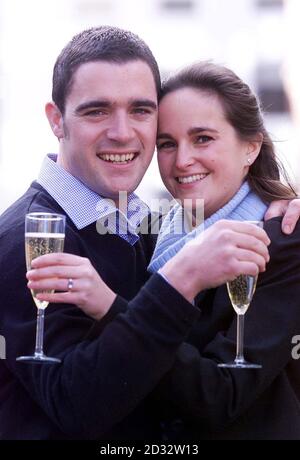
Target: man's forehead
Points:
(114, 70)
(102, 80)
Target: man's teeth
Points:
(190, 179)
(115, 158)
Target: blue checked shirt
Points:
(84, 206)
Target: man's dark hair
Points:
(103, 43)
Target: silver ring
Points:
(70, 284)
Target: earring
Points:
(249, 161)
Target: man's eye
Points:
(141, 110)
(94, 113)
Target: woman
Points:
(212, 145)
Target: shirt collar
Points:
(84, 206)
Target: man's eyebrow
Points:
(144, 103)
(103, 103)
(92, 104)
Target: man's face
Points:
(108, 130)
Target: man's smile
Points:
(118, 158)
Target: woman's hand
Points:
(76, 280)
(219, 254)
(289, 209)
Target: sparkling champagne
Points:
(241, 291)
(37, 244)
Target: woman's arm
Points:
(196, 389)
(223, 251)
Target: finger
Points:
(249, 256)
(58, 258)
(257, 232)
(57, 271)
(251, 243)
(60, 297)
(246, 268)
(276, 208)
(291, 216)
(56, 284)
(248, 228)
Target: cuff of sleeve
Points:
(173, 303)
(119, 305)
(166, 279)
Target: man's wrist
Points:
(181, 279)
(164, 277)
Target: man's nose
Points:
(184, 157)
(120, 129)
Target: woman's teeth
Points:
(190, 179)
(115, 158)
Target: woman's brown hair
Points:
(242, 110)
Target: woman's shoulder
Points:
(282, 245)
(274, 231)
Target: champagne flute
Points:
(44, 233)
(241, 291)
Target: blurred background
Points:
(256, 38)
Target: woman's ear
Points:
(55, 119)
(254, 149)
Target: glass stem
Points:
(39, 332)
(240, 339)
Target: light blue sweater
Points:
(245, 205)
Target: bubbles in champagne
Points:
(241, 291)
(38, 244)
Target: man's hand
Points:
(289, 209)
(224, 251)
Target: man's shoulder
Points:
(35, 199)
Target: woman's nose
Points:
(184, 157)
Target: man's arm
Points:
(123, 363)
(106, 371)
(218, 255)
(289, 209)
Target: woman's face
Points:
(199, 152)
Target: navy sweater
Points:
(108, 368)
(205, 402)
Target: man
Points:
(104, 114)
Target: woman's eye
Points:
(165, 145)
(203, 139)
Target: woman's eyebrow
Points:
(163, 136)
(200, 129)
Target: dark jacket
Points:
(207, 402)
(108, 367)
